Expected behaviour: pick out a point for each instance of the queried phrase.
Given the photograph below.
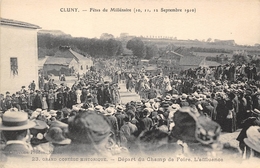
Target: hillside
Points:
(54, 32)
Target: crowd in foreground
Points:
(181, 117)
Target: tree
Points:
(48, 45)
(209, 40)
(106, 36)
(256, 61)
(137, 46)
(151, 51)
(112, 47)
(241, 58)
(120, 48)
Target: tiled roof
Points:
(18, 23)
(206, 54)
(69, 53)
(41, 61)
(172, 53)
(77, 55)
(191, 60)
(183, 51)
(58, 61)
(212, 63)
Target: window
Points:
(14, 65)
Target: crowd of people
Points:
(180, 115)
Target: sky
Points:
(217, 19)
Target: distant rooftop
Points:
(67, 52)
(191, 60)
(58, 61)
(18, 23)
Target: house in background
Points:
(41, 62)
(68, 57)
(192, 62)
(211, 64)
(170, 58)
(18, 55)
(58, 65)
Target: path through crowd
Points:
(126, 96)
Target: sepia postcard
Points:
(183, 23)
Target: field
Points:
(193, 43)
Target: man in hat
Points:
(256, 99)
(120, 115)
(89, 102)
(214, 104)
(56, 134)
(107, 93)
(16, 101)
(100, 94)
(99, 109)
(32, 86)
(1, 102)
(183, 100)
(152, 92)
(37, 102)
(251, 121)
(60, 102)
(23, 90)
(90, 136)
(253, 73)
(112, 120)
(145, 123)
(30, 99)
(15, 128)
(38, 141)
(253, 140)
(82, 94)
(127, 131)
(23, 102)
(6, 102)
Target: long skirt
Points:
(51, 104)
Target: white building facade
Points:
(18, 55)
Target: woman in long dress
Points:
(44, 102)
(231, 124)
(51, 99)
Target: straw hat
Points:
(167, 98)
(253, 138)
(99, 108)
(155, 107)
(176, 106)
(175, 96)
(119, 108)
(256, 111)
(46, 114)
(53, 113)
(15, 120)
(183, 97)
(109, 111)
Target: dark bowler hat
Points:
(55, 135)
(93, 127)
